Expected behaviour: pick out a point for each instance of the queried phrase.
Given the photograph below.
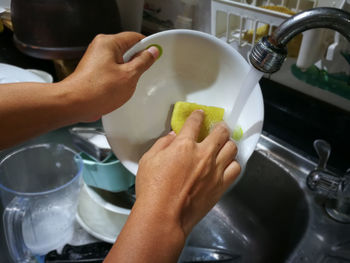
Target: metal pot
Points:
(61, 29)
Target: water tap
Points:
(336, 188)
(270, 52)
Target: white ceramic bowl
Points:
(195, 67)
(101, 222)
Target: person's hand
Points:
(102, 82)
(181, 179)
(177, 183)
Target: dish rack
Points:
(241, 23)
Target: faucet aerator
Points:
(266, 57)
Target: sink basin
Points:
(269, 216)
(262, 219)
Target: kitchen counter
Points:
(299, 120)
(289, 115)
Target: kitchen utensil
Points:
(98, 221)
(61, 29)
(101, 168)
(39, 188)
(195, 67)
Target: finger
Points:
(192, 125)
(230, 174)
(143, 60)
(125, 40)
(217, 137)
(226, 155)
(163, 142)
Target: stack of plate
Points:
(102, 213)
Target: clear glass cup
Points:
(39, 188)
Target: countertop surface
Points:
(289, 115)
(299, 120)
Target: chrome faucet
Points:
(335, 188)
(270, 52)
(268, 56)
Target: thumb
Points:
(143, 60)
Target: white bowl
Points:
(97, 220)
(107, 200)
(194, 67)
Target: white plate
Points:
(13, 74)
(98, 221)
(195, 67)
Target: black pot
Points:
(61, 29)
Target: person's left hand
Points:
(102, 82)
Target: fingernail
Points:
(172, 133)
(154, 51)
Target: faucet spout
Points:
(270, 52)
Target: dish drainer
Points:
(241, 23)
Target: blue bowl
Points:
(109, 174)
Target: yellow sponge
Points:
(183, 109)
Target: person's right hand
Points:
(177, 183)
(183, 178)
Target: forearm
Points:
(149, 235)
(101, 83)
(29, 109)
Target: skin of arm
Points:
(101, 83)
(178, 182)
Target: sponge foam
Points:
(182, 110)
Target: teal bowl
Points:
(109, 174)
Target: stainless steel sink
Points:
(271, 216)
